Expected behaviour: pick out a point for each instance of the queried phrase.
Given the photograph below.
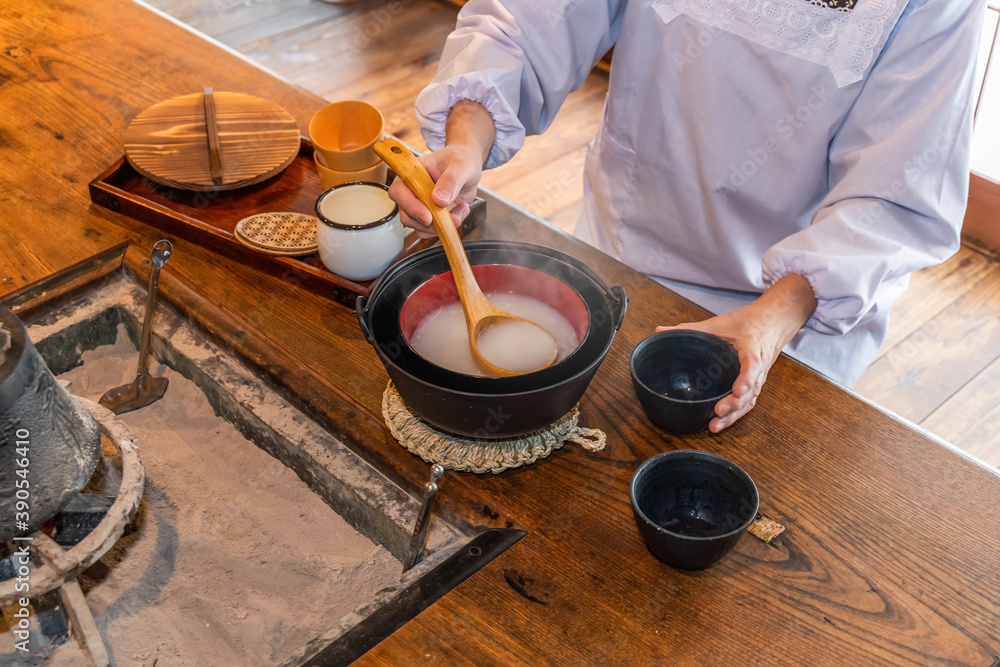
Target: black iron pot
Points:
(49, 443)
(487, 407)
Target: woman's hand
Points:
(758, 331)
(456, 168)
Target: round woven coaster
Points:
(279, 232)
(268, 251)
(481, 456)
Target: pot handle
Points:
(360, 307)
(619, 305)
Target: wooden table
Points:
(892, 553)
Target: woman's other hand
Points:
(758, 331)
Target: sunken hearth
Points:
(261, 539)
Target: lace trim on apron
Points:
(842, 35)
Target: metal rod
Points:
(423, 518)
(160, 255)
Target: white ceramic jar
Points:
(359, 230)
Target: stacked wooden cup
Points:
(343, 135)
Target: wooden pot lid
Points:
(169, 142)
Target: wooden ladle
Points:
(480, 313)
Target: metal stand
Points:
(59, 569)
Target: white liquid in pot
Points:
(517, 345)
(442, 338)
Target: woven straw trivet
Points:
(284, 233)
(481, 456)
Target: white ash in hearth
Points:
(235, 561)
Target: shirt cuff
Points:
(435, 102)
(833, 316)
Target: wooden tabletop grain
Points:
(892, 548)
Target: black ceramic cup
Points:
(680, 375)
(692, 507)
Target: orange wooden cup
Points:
(344, 133)
(331, 177)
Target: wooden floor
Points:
(940, 366)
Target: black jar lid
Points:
(337, 225)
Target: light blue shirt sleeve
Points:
(898, 169)
(519, 59)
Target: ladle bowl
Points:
(480, 314)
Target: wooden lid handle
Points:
(214, 147)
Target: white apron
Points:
(747, 139)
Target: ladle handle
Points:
(419, 539)
(405, 164)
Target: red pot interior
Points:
(440, 291)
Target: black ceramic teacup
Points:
(692, 507)
(680, 375)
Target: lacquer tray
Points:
(208, 219)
